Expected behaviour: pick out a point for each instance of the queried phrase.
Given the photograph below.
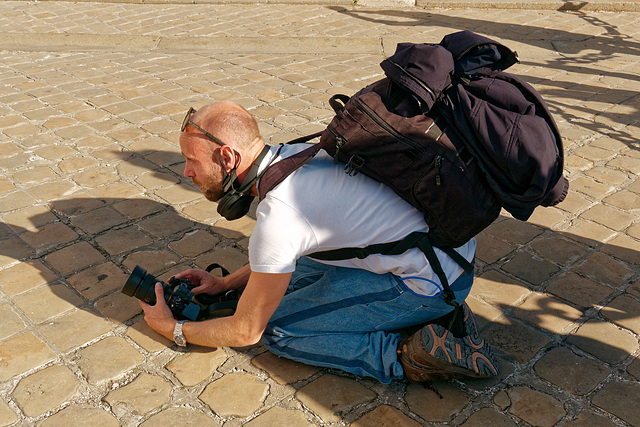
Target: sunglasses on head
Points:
(187, 121)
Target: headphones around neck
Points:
(237, 198)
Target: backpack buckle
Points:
(362, 253)
(353, 165)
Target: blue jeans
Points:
(343, 317)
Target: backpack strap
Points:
(277, 172)
(391, 248)
(427, 248)
(414, 240)
(219, 305)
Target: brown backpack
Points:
(453, 135)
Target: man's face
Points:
(201, 166)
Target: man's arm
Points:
(257, 304)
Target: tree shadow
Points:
(539, 289)
(570, 54)
(603, 46)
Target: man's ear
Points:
(229, 158)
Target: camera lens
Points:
(141, 285)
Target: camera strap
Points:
(220, 305)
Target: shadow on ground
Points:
(567, 53)
(535, 287)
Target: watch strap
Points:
(178, 336)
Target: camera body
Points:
(177, 294)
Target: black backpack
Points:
(453, 135)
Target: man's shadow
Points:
(84, 249)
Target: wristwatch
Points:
(178, 336)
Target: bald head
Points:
(230, 123)
(208, 162)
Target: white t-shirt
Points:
(319, 207)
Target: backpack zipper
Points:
(339, 143)
(438, 164)
(384, 125)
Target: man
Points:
(338, 314)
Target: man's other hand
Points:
(205, 283)
(159, 316)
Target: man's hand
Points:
(259, 301)
(159, 316)
(205, 283)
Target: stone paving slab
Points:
(91, 98)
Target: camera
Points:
(177, 293)
(183, 303)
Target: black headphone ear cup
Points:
(234, 205)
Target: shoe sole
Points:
(432, 354)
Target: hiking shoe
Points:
(434, 353)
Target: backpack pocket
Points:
(452, 195)
(368, 143)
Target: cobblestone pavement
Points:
(91, 97)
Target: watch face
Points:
(180, 340)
